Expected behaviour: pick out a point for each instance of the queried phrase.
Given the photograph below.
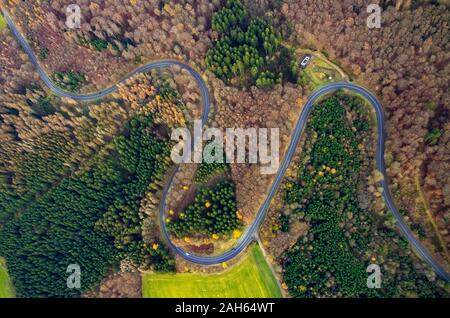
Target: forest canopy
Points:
(249, 51)
(91, 219)
(332, 259)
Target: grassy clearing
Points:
(252, 278)
(6, 288)
(320, 71)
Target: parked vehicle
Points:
(305, 61)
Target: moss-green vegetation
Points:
(332, 260)
(212, 212)
(252, 278)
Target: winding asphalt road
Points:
(251, 232)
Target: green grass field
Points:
(6, 288)
(252, 278)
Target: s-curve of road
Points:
(251, 232)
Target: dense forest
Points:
(209, 170)
(91, 219)
(213, 213)
(78, 184)
(344, 238)
(249, 50)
